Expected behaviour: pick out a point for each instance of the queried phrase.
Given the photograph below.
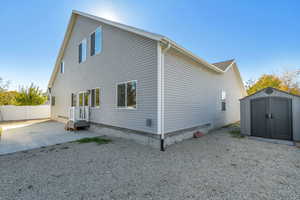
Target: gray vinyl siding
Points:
(193, 94)
(246, 112)
(125, 56)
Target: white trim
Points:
(188, 53)
(96, 107)
(159, 88)
(229, 66)
(138, 31)
(136, 98)
(162, 85)
(84, 92)
(141, 32)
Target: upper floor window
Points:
(126, 94)
(223, 100)
(62, 67)
(82, 51)
(96, 41)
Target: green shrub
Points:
(236, 133)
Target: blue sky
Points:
(263, 36)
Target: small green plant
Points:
(236, 133)
(97, 140)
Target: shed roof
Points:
(269, 88)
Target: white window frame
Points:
(96, 107)
(223, 99)
(136, 95)
(101, 39)
(62, 67)
(86, 49)
(89, 99)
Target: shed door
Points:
(271, 118)
(259, 122)
(281, 118)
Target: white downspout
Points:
(162, 97)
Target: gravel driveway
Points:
(216, 166)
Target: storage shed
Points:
(271, 113)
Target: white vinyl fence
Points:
(9, 113)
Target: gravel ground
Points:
(216, 166)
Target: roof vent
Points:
(269, 91)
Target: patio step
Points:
(71, 125)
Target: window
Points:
(126, 94)
(95, 99)
(83, 98)
(62, 67)
(82, 51)
(73, 100)
(86, 99)
(96, 41)
(223, 100)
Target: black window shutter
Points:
(80, 53)
(93, 44)
(72, 99)
(93, 98)
(223, 105)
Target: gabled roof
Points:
(278, 90)
(224, 65)
(217, 67)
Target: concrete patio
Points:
(26, 135)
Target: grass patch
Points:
(236, 133)
(97, 140)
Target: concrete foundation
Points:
(150, 139)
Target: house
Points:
(271, 113)
(133, 83)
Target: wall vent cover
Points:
(269, 91)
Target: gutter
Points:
(162, 100)
(188, 53)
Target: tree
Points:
(288, 82)
(3, 85)
(31, 95)
(8, 97)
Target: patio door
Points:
(83, 102)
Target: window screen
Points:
(131, 94)
(127, 94)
